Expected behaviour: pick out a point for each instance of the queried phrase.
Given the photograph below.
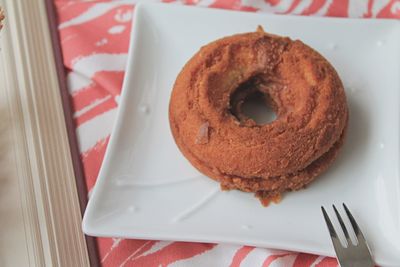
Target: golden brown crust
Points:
(286, 154)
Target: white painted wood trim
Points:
(39, 154)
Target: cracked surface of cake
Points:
(213, 133)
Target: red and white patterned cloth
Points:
(94, 39)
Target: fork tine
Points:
(335, 240)
(357, 231)
(331, 229)
(355, 255)
(346, 233)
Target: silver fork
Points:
(349, 254)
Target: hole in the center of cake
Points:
(251, 102)
(256, 108)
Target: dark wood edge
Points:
(66, 102)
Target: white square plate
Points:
(148, 190)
